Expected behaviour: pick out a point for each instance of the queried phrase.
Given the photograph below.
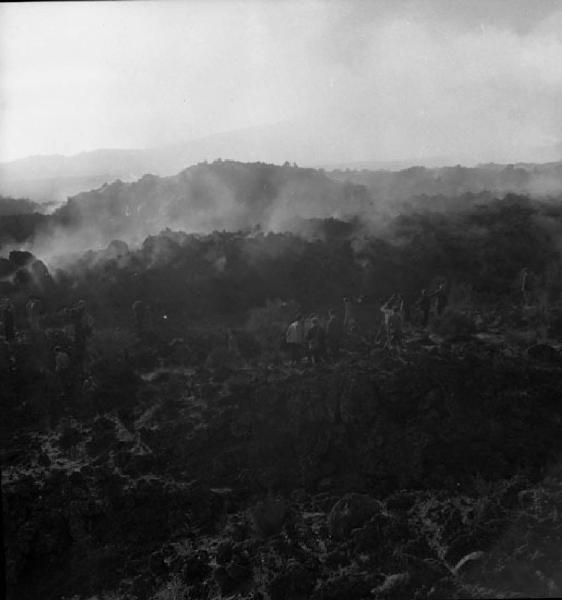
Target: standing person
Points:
(400, 305)
(392, 321)
(9, 322)
(442, 299)
(33, 311)
(334, 333)
(396, 323)
(525, 286)
(425, 304)
(295, 339)
(387, 309)
(62, 361)
(348, 315)
(235, 359)
(62, 369)
(316, 340)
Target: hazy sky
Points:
(377, 80)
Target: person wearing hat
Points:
(295, 339)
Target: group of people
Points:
(319, 339)
(313, 338)
(78, 323)
(426, 299)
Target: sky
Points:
(357, 81)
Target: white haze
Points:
(350, 81)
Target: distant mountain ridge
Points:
(56, 177)
(451, 182)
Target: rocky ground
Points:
(434, 473)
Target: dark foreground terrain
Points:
(373, 476)
(188, 460)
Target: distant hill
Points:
(53, 191)
(452, 182)
(53, 178)
(223, 195)
(230, 195)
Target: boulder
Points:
(350, 512)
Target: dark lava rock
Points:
(344, 586)
(224, 582)
(20, 258)
(77, 479)
(442, 590)
(196, 567)
(350, 512)
(335, 559)
(395, 586)
(157, 565)
(224, 552)
(296, 581)
(401, 501)
(238, 570)
(381, 531)
(267, 517)
(44, 460)
(543, 352)
(230, 577)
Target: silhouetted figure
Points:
(400, 305)
(62, 370)
(9, 322)
(425, 305)
(316, 340)
(392, 321)
(295, 339)
(524, 280)
(232, 342)
(334, 332)
(348, 315)
(33, 309)
(442, 299)
(62, 361)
